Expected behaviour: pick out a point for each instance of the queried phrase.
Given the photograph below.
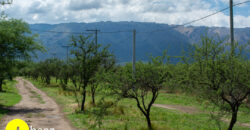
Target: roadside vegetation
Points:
(8, 97)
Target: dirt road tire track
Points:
(36, 108)
(192, 110)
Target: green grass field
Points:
(125, 115)
(9, 97)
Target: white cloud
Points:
(161, 11)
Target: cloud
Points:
(77, 5)
(39, 7)
(170, 6)
(160, 11)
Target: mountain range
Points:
(151, 38)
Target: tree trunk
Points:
(234, 118)
(47, 80)
(145, 113)
(1, 83)
(149, 122)
(66, 81)
(248, 99)
(93, 95)
(83, 98)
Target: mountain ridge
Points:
(174, 38)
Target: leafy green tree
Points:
(89, 57)
(99, 112)
(48, 69)
(221, 77)
(97, 81)
(144, 88)
(16, 43)
(63, 74)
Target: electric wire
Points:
(152, 31)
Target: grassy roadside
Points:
(127, 116)
(9, 97)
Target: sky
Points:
(174, 12)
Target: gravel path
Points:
(36, 108)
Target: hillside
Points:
(175, 39)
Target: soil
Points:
(192, 110)
(184, 109)
(36, 109)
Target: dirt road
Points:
(36, 108)
(192, 110)
(184, 109)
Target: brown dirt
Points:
(241, 124)
(36, 108)
(184, 109)
(192, 110)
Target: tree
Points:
(144, 88)
(97, 80)
(48, 68)
(223, 78)
(63, 75)
(16, 43)
(89, 57)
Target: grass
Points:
(8, 97)
(36, 96)
(125, 115)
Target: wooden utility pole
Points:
(67, 46)
(54, 55)
(133, 56)
(96, 40)
(231, 26)
(96, 32)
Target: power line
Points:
(196, 20)
(214, 13)
(121, 40)
(67, 47)
(121, 31)
(96, 40)
(51, 31)
(159, 30)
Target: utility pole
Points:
(67, 46)
(54, 55)
(231, 27)
(133, 57)
(96, 32)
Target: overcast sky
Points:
(159, 11)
